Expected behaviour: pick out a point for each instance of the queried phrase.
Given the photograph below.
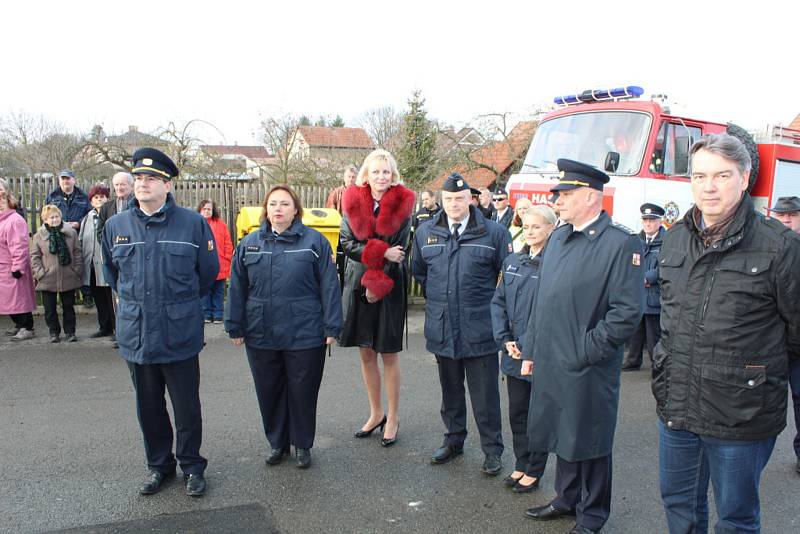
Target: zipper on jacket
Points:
(708, 295)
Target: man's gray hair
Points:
(127, 175)
(727, 146)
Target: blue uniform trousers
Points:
(585, 487)
(287, 386)
(481, 374)
(794, 383)
(182, 380)
(519, 400)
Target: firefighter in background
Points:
(787, 211)
(649, 330)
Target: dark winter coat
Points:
(730, 318)
(511, 306)
(424, 215)
(652, 293)
(364, 238)
(508, 217)
(73, 208)
(284, 292)
(587, 306)
(459, 278)
(160, 265)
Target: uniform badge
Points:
(512, 268)
(460, 183)
(637, 259)
(253, 248)
(671, 212)
(210, 245)
(122, 239)
(432, 240)
(147, 161)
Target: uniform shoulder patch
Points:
(623, 228)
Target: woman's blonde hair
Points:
(546, 213)
(379, 154)
(48, 209)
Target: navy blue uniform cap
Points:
(651, 211)
(151, 161)
(575, 174)
(455, 183)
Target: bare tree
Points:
(383, 125)
(33, 144)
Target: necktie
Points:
(456, 226)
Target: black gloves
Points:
(16, 274)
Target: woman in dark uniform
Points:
(511, 308)
(284, 305)
(375, 232)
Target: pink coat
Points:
(16, 294)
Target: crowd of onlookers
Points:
(63, 259)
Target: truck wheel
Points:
(742, 135)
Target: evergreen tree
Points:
(338, 122)
(321, 121)
(416, 156)
(304, 121)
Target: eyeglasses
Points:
(499, 199)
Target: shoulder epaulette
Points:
(622, 227)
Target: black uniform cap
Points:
(151, 161)
(455, 183)
(651, 211)
(475, 191)
(786, 205)
(575, 174)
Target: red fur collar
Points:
(396, 206)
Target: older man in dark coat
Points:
(589, 303)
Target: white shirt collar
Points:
(588, 223)
(464, 221)
(500, 214)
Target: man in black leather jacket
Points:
(730, 318)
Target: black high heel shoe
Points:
(391, 441)
(368, 433)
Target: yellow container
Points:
(324, 220)
(248, 220)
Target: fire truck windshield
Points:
(588, 137)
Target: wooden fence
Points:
(229, 195)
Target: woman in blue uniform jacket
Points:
(284, 305)
(511, 308)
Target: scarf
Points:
(712, 234)
(58, 244)
(98, 226)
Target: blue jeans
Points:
(794, 383)
(687, 461)
(212, 302)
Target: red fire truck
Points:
(645, 150)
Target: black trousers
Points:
(67, 310)
(586, 488)
(182, 380)
(105, 308)
(647, 334)
(481, 374)
(519, 398)
(23, 320)
(287, 386)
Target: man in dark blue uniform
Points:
(457, 259)
(503, 214)
(648, 332)
(588, 304)
(160, 258)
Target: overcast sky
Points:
(232, 62)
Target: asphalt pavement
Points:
(71, 454)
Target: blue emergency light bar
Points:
(599, 95)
